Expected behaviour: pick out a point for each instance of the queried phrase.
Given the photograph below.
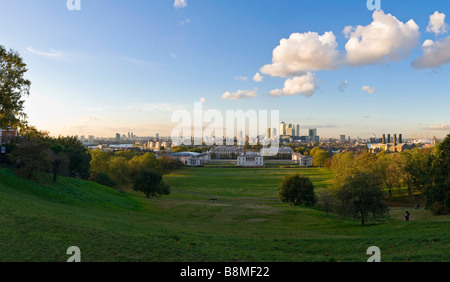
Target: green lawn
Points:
(39, 220)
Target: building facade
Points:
(304, 161)
(248, 159)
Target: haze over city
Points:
(113, 67)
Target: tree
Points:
(297, 190)
(417, 169)
(361, 197)
(319, 158)
(437, 193)
(32, 154)
(326, 200)
(13, 87)
(388, 168)
(99, 162)
(150, 183)
(77, 155)
(119, 169)
(145, 161)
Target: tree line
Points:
(362, 182)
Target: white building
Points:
(191, 158)
(302, 160)
(249, 159)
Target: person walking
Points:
(407, 214)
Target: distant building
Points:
(250, 159)
(342, 139)
(118, 137)
(313, 135)
(227, 152)
(7, 135)
(297, 130)
(191, 158)
(305, 161)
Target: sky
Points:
(117, 66)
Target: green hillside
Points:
(40, 219)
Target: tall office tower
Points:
(383, 139)
(312, 134)
(297, 130)
(342, 139)
(282, 128)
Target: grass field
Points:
(40, 219)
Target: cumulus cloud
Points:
(240, 94)
(180, 4)
(385, 39)
(301, 85)
(258, 77)
(368, 89)
(437, 23)
(343, 85)
(303, 52)
(434, 55)
(276, 92)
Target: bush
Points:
(150, 183)
(297, 190)
(438, 208)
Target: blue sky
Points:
(120, 66)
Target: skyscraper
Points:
(282, 128)
(297, 130)
(312, 135)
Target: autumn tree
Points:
(361, 197)
(13, 88)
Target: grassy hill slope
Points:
(40, 219)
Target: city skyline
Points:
(126, 67)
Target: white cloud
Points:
(203, 100)
(368, 89)
(173, 55)
(437, 23)
(434, 55)
(303, 52)
(185, 22)
(180, 4)
(52, 53)
(301, 85)
(386, 38)
(258, 77)
(241, 78)
(343, 85)
(443, 126)
(276, 93)
(240, 94)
